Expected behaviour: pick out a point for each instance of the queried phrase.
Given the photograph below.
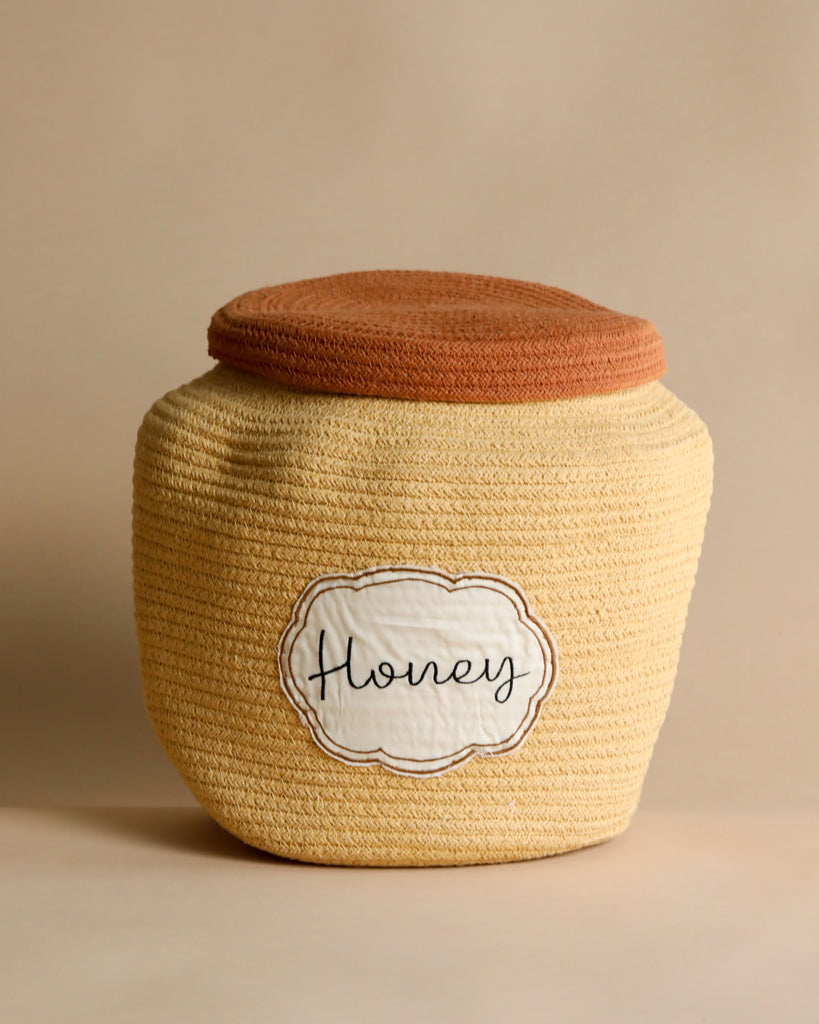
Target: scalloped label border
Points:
(500, 611)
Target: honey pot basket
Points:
(412, 563)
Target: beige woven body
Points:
(245, 490)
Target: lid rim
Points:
(346, 333)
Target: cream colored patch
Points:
(415, 669)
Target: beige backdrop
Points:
(160, 157)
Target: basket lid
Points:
(435, 335)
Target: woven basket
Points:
(412, 563)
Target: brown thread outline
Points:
(308, 715)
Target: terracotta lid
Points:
(435, 335)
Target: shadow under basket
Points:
(412, 563)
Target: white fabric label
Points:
(414, 669)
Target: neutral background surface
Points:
(662, 159)
(158, 915)
(161, 157)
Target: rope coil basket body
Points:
(412, 564)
